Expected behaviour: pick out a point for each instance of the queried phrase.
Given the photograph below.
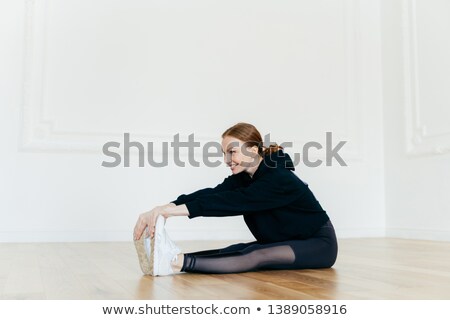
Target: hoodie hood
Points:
(278, 159)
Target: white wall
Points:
(76, 74)
(416, 77)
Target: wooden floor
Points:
(365, 269)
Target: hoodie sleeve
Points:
(273, 190)
(228, 183)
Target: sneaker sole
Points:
(146, 263)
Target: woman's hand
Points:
(149, 219)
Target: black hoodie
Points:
(275, 203)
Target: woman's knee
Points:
(331, 257)
(321, 254)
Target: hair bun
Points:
(272, 148)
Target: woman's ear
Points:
(255, 150)
(251, 151)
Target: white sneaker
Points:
(164, 250)
(156, 254)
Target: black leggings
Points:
(318, 251)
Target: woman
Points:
(291, 229)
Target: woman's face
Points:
(238, 158)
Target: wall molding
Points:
(39, 133)
(419, 141)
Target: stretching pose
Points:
(291, 229)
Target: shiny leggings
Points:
(318, 251)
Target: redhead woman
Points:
(291, 229)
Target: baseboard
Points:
(344, 233)
(65, 236)
(209, 234)
(418, 234)
(112, 236)
(177, 234)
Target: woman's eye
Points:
(230, 152)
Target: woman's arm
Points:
(273, 190)
(173, 211)
(149, 218)
(177, 207)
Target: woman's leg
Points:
(178, 263)
(319, 251)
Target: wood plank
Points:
(368, 268)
